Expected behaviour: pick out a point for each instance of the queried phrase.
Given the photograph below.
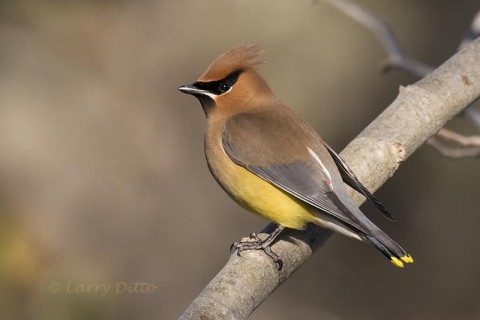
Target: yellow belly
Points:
(259, 196)
(268, 201)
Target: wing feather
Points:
(350, 179)
(279, 158)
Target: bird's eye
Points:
(224, 87)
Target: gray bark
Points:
(419, 111)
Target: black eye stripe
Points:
(214, 86)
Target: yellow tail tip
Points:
(397, 262)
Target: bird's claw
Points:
(254, 242)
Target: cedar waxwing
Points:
(273, 163)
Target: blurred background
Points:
(103, 179)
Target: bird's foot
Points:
(254, 242)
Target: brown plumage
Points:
(241, 57)
(273, 163)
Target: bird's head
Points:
(231, 84)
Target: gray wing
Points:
(350, 179)
(269, 146)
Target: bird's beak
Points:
(191, 89)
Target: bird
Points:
(273, 163)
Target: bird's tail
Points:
(389, 248)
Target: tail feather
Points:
(389, 248)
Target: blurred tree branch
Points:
(419, 112)
(469, 146)
(398, 60)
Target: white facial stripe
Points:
(209, 94)
(328, 180)
(214, 96)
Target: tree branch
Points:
(470, 146)
(472, 141)
(471, 113)
(396, 59)
(419, 111)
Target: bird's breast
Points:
(252, 192)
